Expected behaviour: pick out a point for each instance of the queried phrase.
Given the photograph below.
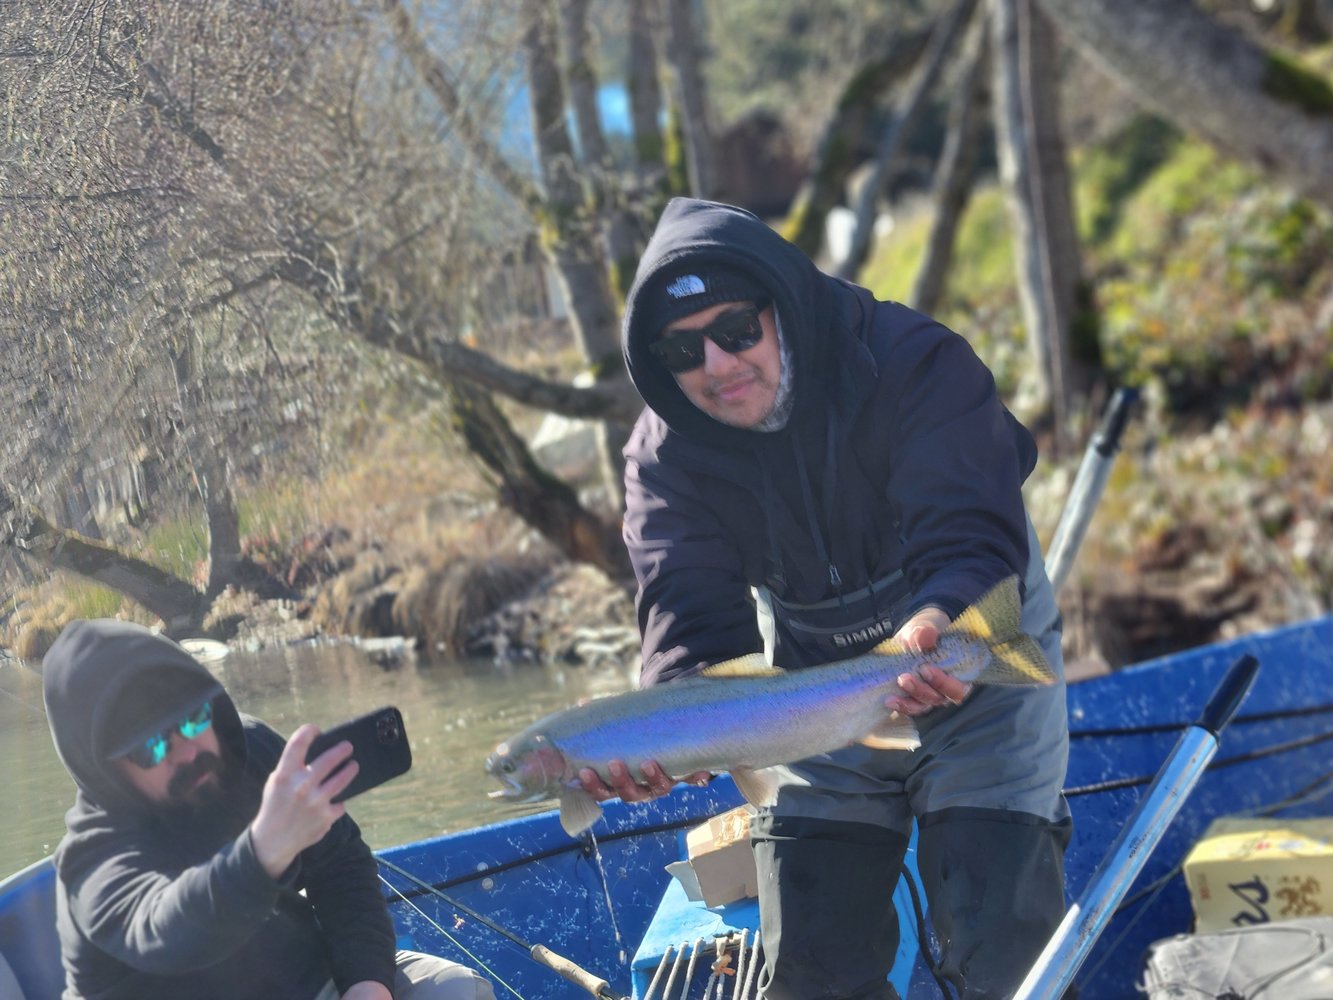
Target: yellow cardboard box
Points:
(720, 864)
(1254, 871)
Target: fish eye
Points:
(507, 765)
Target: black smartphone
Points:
(379, 746)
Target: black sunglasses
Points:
(153, 751)
(735, 331)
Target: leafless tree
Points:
(955, 171)
(1034, 172)
(686, 57)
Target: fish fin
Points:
(895, 732)
(749, 665)
(578, 810)
(760, 788)
(1015, 656)
(1018, 661)
(995, 615)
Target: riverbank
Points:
(1214, 294)
(1204, 532)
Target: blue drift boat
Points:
(605, 905)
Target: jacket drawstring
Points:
(778, 578)
(821, 549)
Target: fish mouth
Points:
(514, 793)
(513, 790)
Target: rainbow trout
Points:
(744, 715)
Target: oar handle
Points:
(1107, 439)
(1229, 694)
(575, 974)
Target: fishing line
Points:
(1302, 797)
(476, 959)
(600, 868)
(462, 908)
(1115, 784)
(482, 873)
(1176, 727)
(539, 954)
(1152, 890)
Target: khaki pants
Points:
(426, 977)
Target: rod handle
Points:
(577, 975)
(1114, 420)
(1229, 694)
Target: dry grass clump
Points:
(36, 615)
(34, 639)
(440, 603)
(359, 601)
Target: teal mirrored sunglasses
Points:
(153, 751)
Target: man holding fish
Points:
(818, 472)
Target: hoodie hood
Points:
(694, 234)
(90, 668)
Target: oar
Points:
(539, 953)
(1088, 486)
(1087, 918)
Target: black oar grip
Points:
(1229, 694)
(575, 974)
(1114, 420)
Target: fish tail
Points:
(1016, 658)
(1018, 661)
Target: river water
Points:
(455, 714)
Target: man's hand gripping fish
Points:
(744, 715)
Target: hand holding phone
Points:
(379, 747)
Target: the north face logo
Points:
(685, 286)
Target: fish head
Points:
(530, 769)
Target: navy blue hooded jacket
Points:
(898, 456)
(155, 904)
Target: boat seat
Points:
(9, 986)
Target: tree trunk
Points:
(432, 73)
(172, 599)
(835, 157)
(905, 115)
(618, 228)
(548, 505)
(542, 501)
(645, 90)
(955, 173)
(581, 78)
(686, 58)
(79, 507)
(579, 264)
(1035, 176)
(224, 525)
(1213, 81)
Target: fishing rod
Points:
(1065, 953)
(539, 953)
(1088, 486)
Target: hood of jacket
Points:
(811, 307)
(85, 673)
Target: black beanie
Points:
(681, 293)
(155, 701)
